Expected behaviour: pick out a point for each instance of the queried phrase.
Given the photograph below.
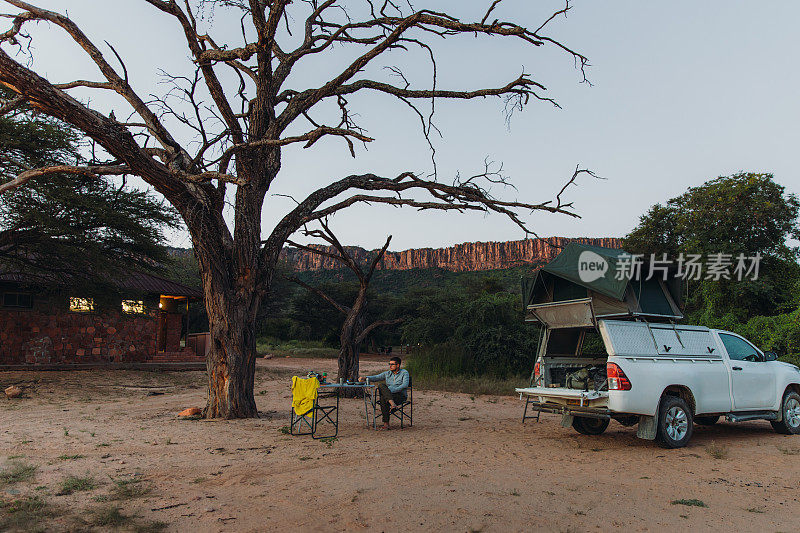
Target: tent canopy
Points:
(583, 271)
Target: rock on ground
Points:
(13, 392)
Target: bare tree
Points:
(353, 332)
(242, 129)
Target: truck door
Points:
(753, 382)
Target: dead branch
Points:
(35, 173)
(320, 293)
(377, 324)
(84, 83)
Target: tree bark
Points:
(350, 345)
(234, 281)
(231, 362)
(350, 348)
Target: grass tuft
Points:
(71, 457)
(127, 489)
(15, 472)
(76, 484)
(24, 514)
(295, 348)
(790, 451)
(329, 441)
(110, 515)
(717, 451)
(691, 503)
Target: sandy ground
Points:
(468, 464)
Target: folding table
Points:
(328, 411)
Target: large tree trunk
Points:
(231, 363)
(234, 279)
(348, 361)
(350, 349)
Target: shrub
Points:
(480, 334)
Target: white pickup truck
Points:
(665, 377)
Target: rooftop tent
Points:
(582, 284)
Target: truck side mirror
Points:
(770, 356)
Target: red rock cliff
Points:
(461, 257)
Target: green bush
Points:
(471, 334)
(445, 359)
(778, 333)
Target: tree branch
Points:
(119, 84)
(342, 309)
(84, 83)
(309, 138)
(367, 330)
(35, 173)
(209, 75)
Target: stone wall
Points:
(48, 334)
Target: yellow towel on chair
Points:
(304, 392)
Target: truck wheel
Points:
(706, 420)
(790, 425)
(674, 422)
(589, 426)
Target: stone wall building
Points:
(144, 319)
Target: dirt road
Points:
(466, 465)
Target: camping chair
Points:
(404, 411)
(306, 413)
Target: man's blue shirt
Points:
(395, 382)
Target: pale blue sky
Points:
(682, 92)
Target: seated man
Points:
(392, 390)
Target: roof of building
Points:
(132, 281)
(149, 283)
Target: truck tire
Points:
(790, 410)
(706, 420)
(675, 422)
(589, 426)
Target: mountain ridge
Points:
(469, 256)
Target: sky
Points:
(681, 92)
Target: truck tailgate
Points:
(560, 394)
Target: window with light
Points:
(81, 305)
(133, 307)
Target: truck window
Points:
(739, 349)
